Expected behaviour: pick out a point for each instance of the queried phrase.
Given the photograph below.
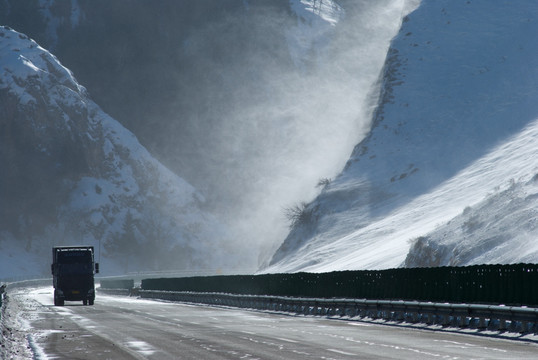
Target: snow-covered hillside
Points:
(448, 173)
(252, 102)
(71, 174)
(255, 103)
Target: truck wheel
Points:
(90, 301)
(57, 300)
(84, 302)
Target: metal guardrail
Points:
(117, 283)
(494, 317)
(125, 292)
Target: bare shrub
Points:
(323, 182)
(299, 214)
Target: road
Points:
(128, 328)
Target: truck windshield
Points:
(75, 262)
(75, 257)
(75, 269)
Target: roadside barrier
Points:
(125, 292)
(515, 284)
(492, 317)
(116, 283)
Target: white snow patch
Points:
(142, 347)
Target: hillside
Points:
(230, 117)
(447, 174)
(252, 102)
(72, 174)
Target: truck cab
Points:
(73, 269)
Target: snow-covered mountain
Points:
(71, 174)
(448, 173)
(252, 102)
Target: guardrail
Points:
(124, 292)
(493, 317)
(116, 283)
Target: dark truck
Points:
(72, 274)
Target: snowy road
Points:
(128, 328)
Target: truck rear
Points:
(73, 269)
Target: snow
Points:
(326, 10)
(24, 61)
(28, 63)
(458, 129)
(315, 20)
(312, 122)
(141, 347)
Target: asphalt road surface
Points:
(128, 328)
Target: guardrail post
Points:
(482, 322)
(343, 309)
(314, 308)
(331, 309)
(429, 319)
(306, 308)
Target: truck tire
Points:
(57, 300)
(90, 301)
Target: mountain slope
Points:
(250, 101)
(455, 129)
(72, 174)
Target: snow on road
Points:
(126, 328)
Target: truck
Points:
(73, 269)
